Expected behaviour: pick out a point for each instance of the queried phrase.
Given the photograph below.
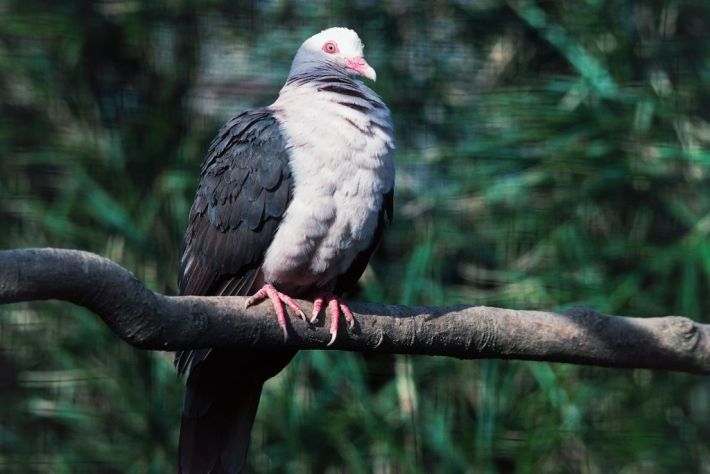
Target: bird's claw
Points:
(335, 307)
(278, 299)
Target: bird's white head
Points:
(340, 47)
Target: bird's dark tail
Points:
(221, 399)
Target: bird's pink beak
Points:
(360, 66)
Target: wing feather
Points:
(244, 190)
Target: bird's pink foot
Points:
(277, 300)
(335, 306)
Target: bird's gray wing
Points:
(244, 190)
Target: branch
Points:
(148, 320)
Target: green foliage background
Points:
(549, 154)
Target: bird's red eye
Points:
(330, 47)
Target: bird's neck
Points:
(305, 73)
(341, 109)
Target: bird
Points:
(291, 203)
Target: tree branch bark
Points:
(148, 320)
